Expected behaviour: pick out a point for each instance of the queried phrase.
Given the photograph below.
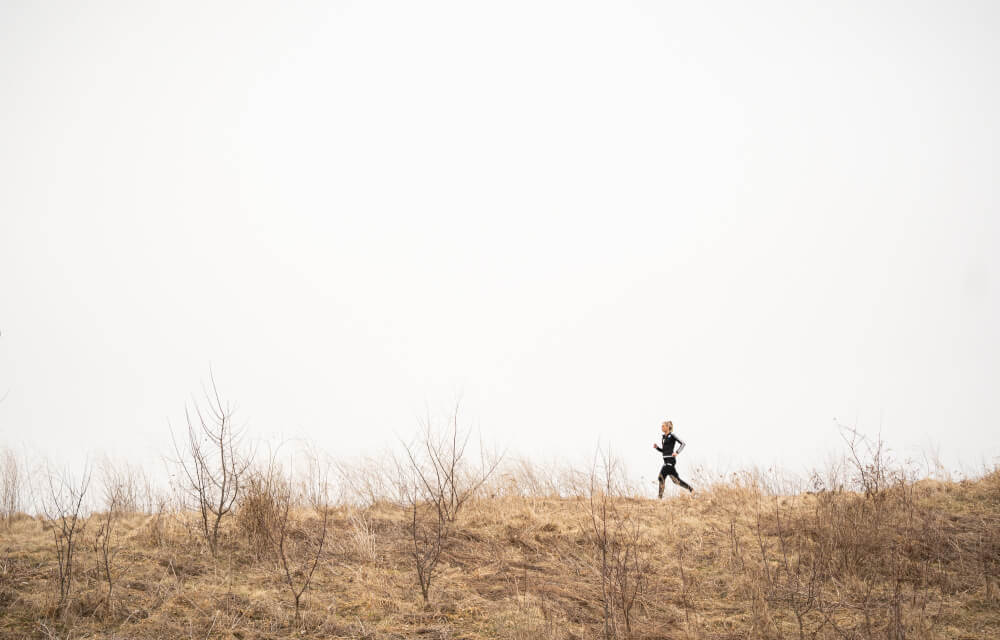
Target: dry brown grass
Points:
(915, 560)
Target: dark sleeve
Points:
(680, 444)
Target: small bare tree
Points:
(442, 470)
(621, 561)
(428, 529)
(105, 548)
(212, 462)
(300, 549)
(120, 496)
(435, 481)
(63, 510)
(797, 579)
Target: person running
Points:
(670, 457)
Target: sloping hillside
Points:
(915, 560)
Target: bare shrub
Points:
(839, 563)
(872, 462)
(299, 545)
(212, 463)
(107, 542)
(442, 470)
(617, 539)
(435, 481)
(793, 574)
(428, 529)
(63, 511)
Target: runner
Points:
(670, 457)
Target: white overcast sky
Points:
(581, 217)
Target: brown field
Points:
(915, 559)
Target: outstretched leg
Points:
(680, 483)
(671, 470)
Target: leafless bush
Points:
(299, 546)
(436, 480)
(212, 463)
(838, 563)
(871, 461)
(442, 470)
(617, 537)
(107, 541)
(428, 529)
(63, 510)
(793, 574)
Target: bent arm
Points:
(680, 444)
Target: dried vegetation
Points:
(865, 551)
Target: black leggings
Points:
(670, 469)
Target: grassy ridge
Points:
(911, 560)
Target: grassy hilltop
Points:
(904, 559)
